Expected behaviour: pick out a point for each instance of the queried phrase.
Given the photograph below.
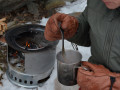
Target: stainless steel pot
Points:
(67, 66)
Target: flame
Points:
(27, 44)
(15, 54)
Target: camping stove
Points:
(30, 57)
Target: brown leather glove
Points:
(68, 23)
(96, 77)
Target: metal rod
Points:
(62, 34)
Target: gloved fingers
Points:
(88, 65)
(49, 36)
(70, 26)
(96, 68)
(52, 32)
(58, 20)
(69, 34)
(60, 16)
(69, 22)
(53, 25)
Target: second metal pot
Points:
(67, 67)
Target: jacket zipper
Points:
(105, 43)
(108, 39)
(108, 42)
(110, 45)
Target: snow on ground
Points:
(52, 83)
(77, 6)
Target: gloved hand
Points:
(96, 77)
(68, 23)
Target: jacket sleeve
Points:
(82, 35)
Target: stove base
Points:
(26, 83)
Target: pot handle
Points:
(74, 46)
(75, 70)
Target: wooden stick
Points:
(3, 19)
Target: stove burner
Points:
(29, 40)
(33, 34)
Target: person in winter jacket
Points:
(98, 26)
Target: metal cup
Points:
(67, 67)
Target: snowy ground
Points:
(52, 83)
